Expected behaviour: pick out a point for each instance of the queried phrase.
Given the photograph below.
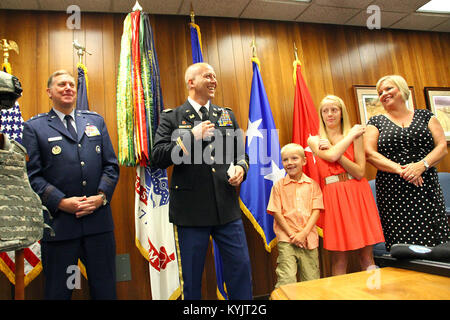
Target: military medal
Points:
(91, 131)
(225, 120)
(56, 150)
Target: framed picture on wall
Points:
(438, 102)
(369, 105)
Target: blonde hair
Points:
(397, 81)
(293, 147)
(58, 73)
(345, 121)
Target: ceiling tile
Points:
(273, 10)
(19, 4)
(359, 4)
(322, 14)
(150, 6)
(400, 5)
(420, 21)
(387, 18)
(443, 27)
(214, 8)
(85, 5)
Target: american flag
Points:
(11, 124)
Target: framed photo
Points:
(438, 102)
(369, 105)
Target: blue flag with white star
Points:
(263, 147)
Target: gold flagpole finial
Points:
(192, 14)
(80, 50)
(6, 47)
(253, 46)
(295, 52)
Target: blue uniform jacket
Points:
(60, 167)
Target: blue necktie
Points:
(70, 127)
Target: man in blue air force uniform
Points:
(201, 140)
(73, 168)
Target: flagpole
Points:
(192, 14)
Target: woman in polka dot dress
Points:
(405, 145)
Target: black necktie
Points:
(204, 112)
(70, 126)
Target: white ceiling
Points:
(396, 14)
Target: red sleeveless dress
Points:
(351, 219)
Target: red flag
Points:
(306, 123)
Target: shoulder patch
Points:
(87, 112)
(167, 110)
(39, 116)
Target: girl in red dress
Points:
(351, 220)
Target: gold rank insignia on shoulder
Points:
(56, 150)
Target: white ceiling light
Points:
(436, 6)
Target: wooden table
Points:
(379, 284)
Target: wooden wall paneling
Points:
(392, 50)
(210, 30)
(382, 55)
(42, 64)
(347, 80)
(172, 35)
(225, 49)
(356, 68)
(444, 40)
(368, 60)
(26, 39)
(283, 73)
(241, 75)
(340, 79)
(437, 53)
(60, 44)
(312, 64)
(246, 30)
(110, 77)
(93, 30)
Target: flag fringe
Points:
(258, 228)
(30, 276)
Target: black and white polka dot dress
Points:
(409, 214)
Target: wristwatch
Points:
(105, 201)
(426, 164)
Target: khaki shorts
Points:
(290, 258)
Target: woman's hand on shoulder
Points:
(357, 130)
